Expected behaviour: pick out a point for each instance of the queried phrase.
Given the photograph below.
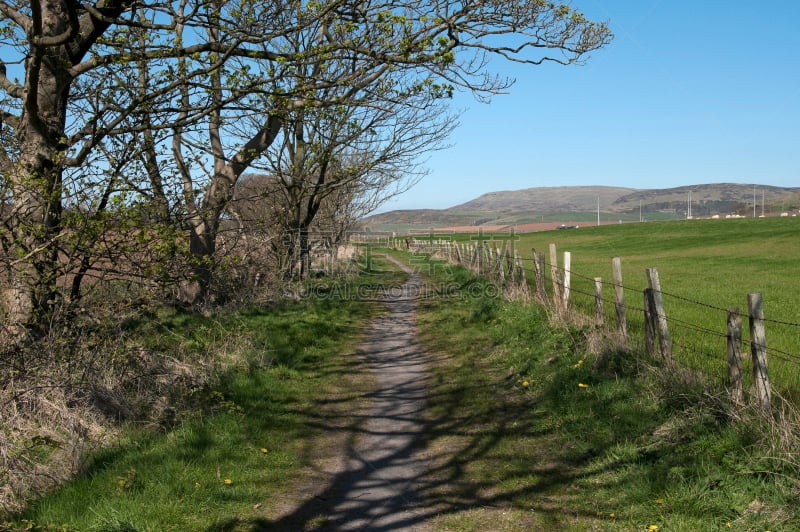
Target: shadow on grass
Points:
(407, 467)
(437, 445)
(441, 438)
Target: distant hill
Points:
(551, 204)
(715, 198)
(545, 199)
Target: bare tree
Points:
(350, 154)
(387, 62)
(45, 41)
(225, 52)
(51, 122)
(67, 90)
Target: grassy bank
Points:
(705, 267)
(231, 445)
(553, 429)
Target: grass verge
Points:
(222, 453)
(536, 431)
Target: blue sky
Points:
(689, 92)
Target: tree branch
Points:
(21, 20)
(13, 90)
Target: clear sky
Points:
(688, 92)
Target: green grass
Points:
(421, 221)
(236, 443)
(534, 432)
(705, 267)
(527, 429)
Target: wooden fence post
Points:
(735, 390)
(758, 349)
(649, 321)
(498, 266)
(523, 282)
(558, 298)
(619, 299)
(664, 342)
(510, 265)
(567, 266)
(501, 257)
(554, 269)
(555, 278)
(538, 265)
(599, 314)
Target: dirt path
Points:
(376, 487)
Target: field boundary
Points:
(647, 326)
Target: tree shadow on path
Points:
(391, 479)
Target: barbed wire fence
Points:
(694, 334)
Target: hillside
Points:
(563, 204)
(545, 199)
(715, 198)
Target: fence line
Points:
(486, 258)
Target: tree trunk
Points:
(30, 292)
(298, 252)
(202, 246)
(305, 254)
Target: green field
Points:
(422, 221)
(555, 434)
(705, 267)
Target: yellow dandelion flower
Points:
(652, 528)
(228, 482)
(728, 524)
(659, 501)
(582, 385)
(612, 515)
(525, 383)
(264, 450)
